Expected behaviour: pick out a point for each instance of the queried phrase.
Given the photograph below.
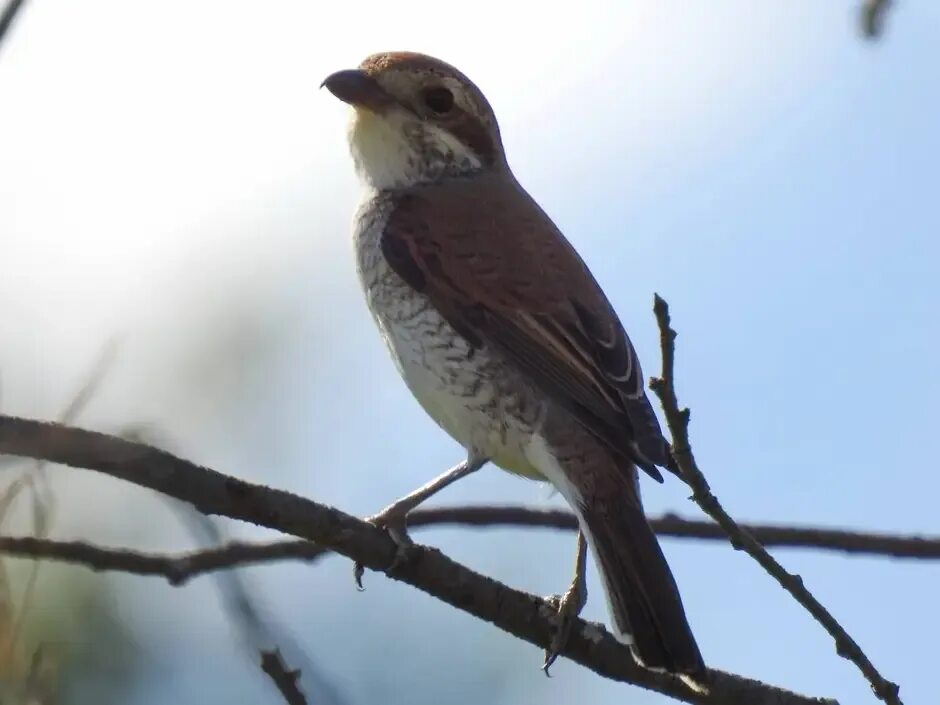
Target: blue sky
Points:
(182, 184)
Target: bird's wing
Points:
(496, 267)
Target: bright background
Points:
(171, 177)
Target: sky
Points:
(172, 179)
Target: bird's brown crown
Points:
(408, 61)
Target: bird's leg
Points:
(569, 606)
(394, 517)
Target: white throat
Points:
(393, 150)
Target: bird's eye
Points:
(439, 100)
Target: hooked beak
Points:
(358, 89)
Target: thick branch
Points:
(518, 613)
(678, 421)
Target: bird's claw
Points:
(567, 608)
(395, 525)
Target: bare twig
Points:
(177, 569)
(259, 630)
(674, 526)
(42, 497)
(521, 614)
(180, 568)
(678, 421)
(873, 17)
(10, 11)
(284, 679)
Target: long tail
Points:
(645, 606)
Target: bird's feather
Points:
(502, 274)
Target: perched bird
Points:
(503, 335)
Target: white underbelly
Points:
(444, 377)
(472, 396)
(465, 391)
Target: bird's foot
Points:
(567, 607)
(395, 524)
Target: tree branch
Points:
(678, 421)
(286, 680)
(873, 17)
(8, 16)
(260, 631)
(182, 567)
(674, 526)
(523, 615)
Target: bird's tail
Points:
(642, 597)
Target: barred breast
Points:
(471, 393)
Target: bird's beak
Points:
(358, 89)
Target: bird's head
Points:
(416, 120)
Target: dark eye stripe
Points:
(468, 130)
(465, 127)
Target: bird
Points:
(505, 338)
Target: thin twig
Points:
(177, 569)
(873, 17)
(260, 631)
(678, 421)
(8, 16)
(671, 525)
(180, 568)
(40, 488)
(521, 614)
(284, 679)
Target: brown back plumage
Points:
(501, 273)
